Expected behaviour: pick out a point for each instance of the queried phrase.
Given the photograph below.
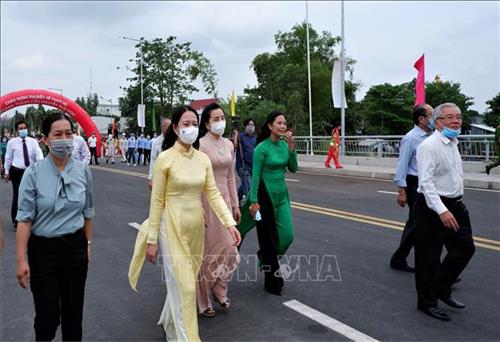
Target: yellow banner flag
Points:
(233, 105)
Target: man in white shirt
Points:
(441, 217)
(93, 148)
(21, 152)
(81, 151)
(156, 149)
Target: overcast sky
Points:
(55, 44)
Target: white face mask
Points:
(188, 135)
(218, 128)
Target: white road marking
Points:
(328, 322)
(387, 192)
(291, 180)
(487, 190)
(135, 225)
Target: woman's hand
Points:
(235, 234)
(89, 252)
(254, 207)
(237, 215)
(23, 274)
(289, 139)
(152, 252)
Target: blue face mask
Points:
(450, 133)
(23, 133)
(431, 124)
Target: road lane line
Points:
(387, 192)
(135, 225)
(292, 180)
(396, 225)
(328, 321)
(347, 213)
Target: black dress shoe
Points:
(449, 300)
(435, 312)
(272, 290)
(402, 267)
(458, 280)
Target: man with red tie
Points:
(21, 152)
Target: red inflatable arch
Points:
(49, 98)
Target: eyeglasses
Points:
(450, 117)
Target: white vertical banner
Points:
(141, 119)
(337, 85)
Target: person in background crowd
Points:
(124, 148)
(110, 153)
(141, 143)
(55, 233)
(3, 144)
(497, 152)
(92, 141)
(334, 148)
(176, 223)
(81, 151)
(132, 145)
(221, 256)
(157, 148)
(21, 152)
(406, 179)
(274, 154)
(441, 217)
(245, 145)
(40, 139)
(147, 150)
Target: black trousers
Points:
(434, 278)
(58, 269)
(93, 153)
(147, 156)
(15, 176)
(268, 242)
(407, 238)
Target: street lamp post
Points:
(142, 89)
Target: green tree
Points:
(282, 79)
(386, 109)
(492, 114)
(439, 92)
(89, 103)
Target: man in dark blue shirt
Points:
(244, 155)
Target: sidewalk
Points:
(385, 169)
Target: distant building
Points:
(199, 105)
(108, 110)
(481, 129)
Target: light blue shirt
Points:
(148, 144)
(56, 202)
(407, 163)
(141, 142)
(132, 143)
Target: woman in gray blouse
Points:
(55, 214)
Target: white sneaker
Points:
(135, 164)
(128, 164)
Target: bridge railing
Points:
(471, 147)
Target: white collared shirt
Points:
(92, 141)
(440, 170)
(14, 155)
(155, 152)
(81, 151)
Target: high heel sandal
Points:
(209, 313)
(225, 304)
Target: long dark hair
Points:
(205, 117)
(170, 136)
(265, 132)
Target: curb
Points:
(470, 183)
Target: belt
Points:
(60, 237)
(451, 201)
